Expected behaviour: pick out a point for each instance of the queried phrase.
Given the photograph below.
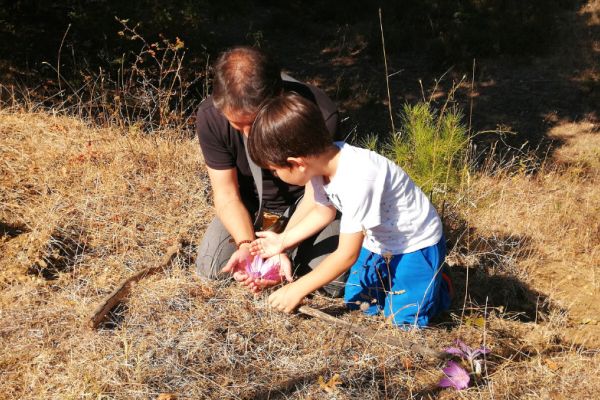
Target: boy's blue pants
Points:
(408, 287)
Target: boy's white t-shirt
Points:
(377, 197)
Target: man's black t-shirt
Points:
(223, 148)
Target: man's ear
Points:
(298, 162)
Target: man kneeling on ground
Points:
(246, 196)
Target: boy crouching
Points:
(390, 234)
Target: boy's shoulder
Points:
(360, 163)
(360, 152)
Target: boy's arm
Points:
(308, 219)
(269, 243)
(314, 221)
(304, 206)
(288, 297)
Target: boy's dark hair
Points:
(244, 77)
(287, 126)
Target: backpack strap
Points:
(257, 175)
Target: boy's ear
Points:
(298, 162)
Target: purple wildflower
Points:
(456, 377)
(465, 352)
(263, 269)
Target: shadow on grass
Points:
(11, 231)
(62, 253)
(284, 388)
(486, 277)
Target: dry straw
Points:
(84, 207)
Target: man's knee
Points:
(209, 267)
(214, 251)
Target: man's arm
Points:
(288, 297)
(228, 204)
(317, 218)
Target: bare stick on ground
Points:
(122, 290)
(370, 335)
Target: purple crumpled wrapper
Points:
(263, 269)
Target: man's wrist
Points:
(245, 243)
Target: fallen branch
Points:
(370, 335)
(123, 289)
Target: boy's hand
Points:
(267, 245)
(287, 298)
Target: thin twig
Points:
(387, 79)
(58, 59)
(368, 334)
(472, 96)
(122, 290)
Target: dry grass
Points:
(82, 207)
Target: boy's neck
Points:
(326, 163)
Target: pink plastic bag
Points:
(265, 269)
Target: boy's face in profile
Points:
(295, 174)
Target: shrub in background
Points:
(431, 146)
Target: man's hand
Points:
(268, 244)
(287, 298)
(237, 267)
(237, 263)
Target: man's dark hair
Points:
(287, 126)
(244, 77)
